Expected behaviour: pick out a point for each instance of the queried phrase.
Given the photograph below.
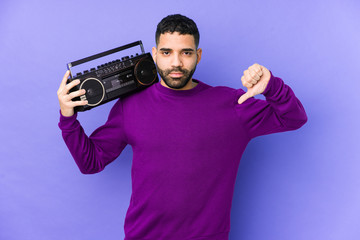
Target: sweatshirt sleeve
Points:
(281, 111)
(103, 146)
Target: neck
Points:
(191, 84)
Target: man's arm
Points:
(104, 145)
(281, 111)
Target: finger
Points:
(248, 78)
(245, 83)
(78, 103)
(72, 104)
(256, 66)
(257, 69)
(65, 78)
(254, 74)
(244, 97)
(70, 85)
(248, 85)
(76, 93)
(243, 80)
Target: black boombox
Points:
(114, 79)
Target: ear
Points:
(154, 52)
(198, 53)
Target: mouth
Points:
(176, 74)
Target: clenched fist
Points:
(65, 98)
(255, 79)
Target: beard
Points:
(176, 83)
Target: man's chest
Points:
(165, 125)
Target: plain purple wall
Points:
(296, 185)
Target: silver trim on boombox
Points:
(94, 104)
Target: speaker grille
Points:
(145, 72)
(95, 91)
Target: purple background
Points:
(297, 185)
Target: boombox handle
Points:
(103, 54)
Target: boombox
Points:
(114, 79)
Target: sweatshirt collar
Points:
(172, 92)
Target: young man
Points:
(187, 138)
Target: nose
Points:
(176, 61)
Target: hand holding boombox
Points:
(107, 82)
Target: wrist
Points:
(269, 85)
(68, 123)
(67, 113)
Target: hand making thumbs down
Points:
(255, 79)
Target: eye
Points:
(165, 53)
(187, 53)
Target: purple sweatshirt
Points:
(186, 147)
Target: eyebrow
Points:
(165, 49)
(184, 49)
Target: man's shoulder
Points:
(139, 94)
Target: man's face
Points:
(176, 58)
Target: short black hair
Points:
(177, 23)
